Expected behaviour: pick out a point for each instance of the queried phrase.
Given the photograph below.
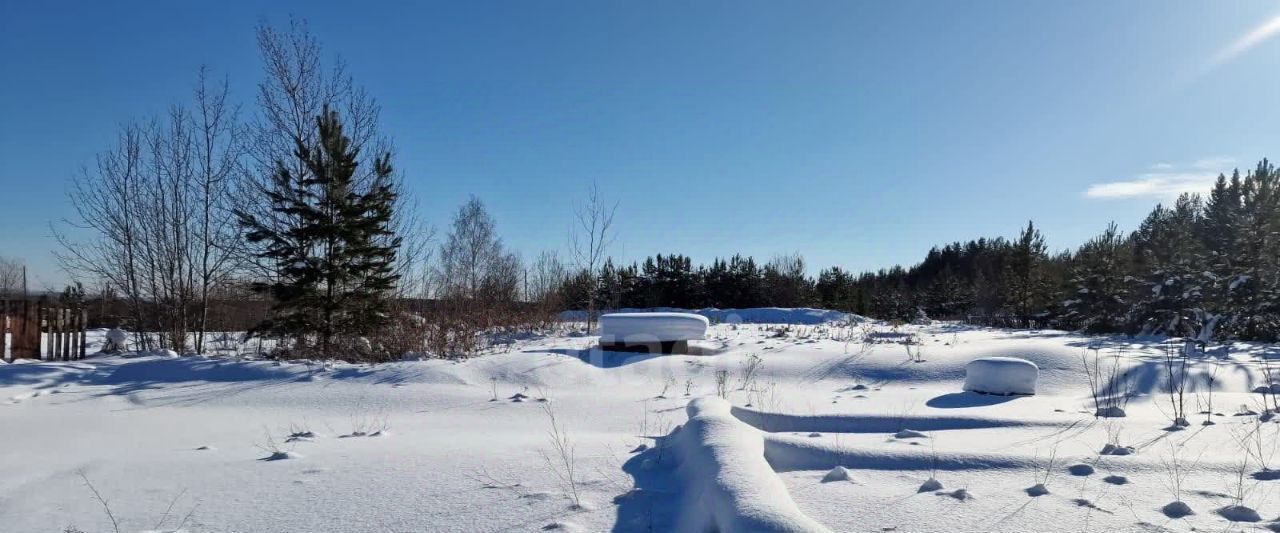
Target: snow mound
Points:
(838, 473)
(930, 485)
(1001, 375)
(729, 487)
(1177, 509)
(1112, 411)
(1080, 469)
(1239, 513)
(635, 328)
(1037, 490)
(1114, 449)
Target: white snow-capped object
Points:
(1001, 375)
(117, 340)
(635, 328)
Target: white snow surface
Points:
(651, 327)
(1001, 375)
(433, 445)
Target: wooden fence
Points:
(42, 329)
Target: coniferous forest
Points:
(1205, 266)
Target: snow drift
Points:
(1001, 375)
(729, 487)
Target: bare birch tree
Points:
(220, 152)
(106, 197)
(589, 240)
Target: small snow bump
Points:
(1080, 469)
(1177, 509)
(1239, 513)
(280, 456)
(562, 526)
(839, 473)
(930, 485)
(1037, 490)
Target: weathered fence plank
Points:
(4, 328)
(41, 329)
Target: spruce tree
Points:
(336, 251)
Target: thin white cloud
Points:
(1165, 182)
(1256, 36)
(1213, 163)
(1152, 185)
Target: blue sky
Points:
(856, 133)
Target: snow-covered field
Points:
(203, 444)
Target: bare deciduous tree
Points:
(156, 207)
(589, 239)
(544, 278)
(106, 198)
(471, 253)
(13, 277)
(219, 153)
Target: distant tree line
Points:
(1203, 267)
(673, 281)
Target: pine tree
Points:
(1255, 286)
(1027, 290)
(1170, 271)
(1099, 281)
(337, 251)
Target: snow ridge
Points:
(729, 486)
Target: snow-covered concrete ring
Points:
(641, 329)
(1001, 375)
